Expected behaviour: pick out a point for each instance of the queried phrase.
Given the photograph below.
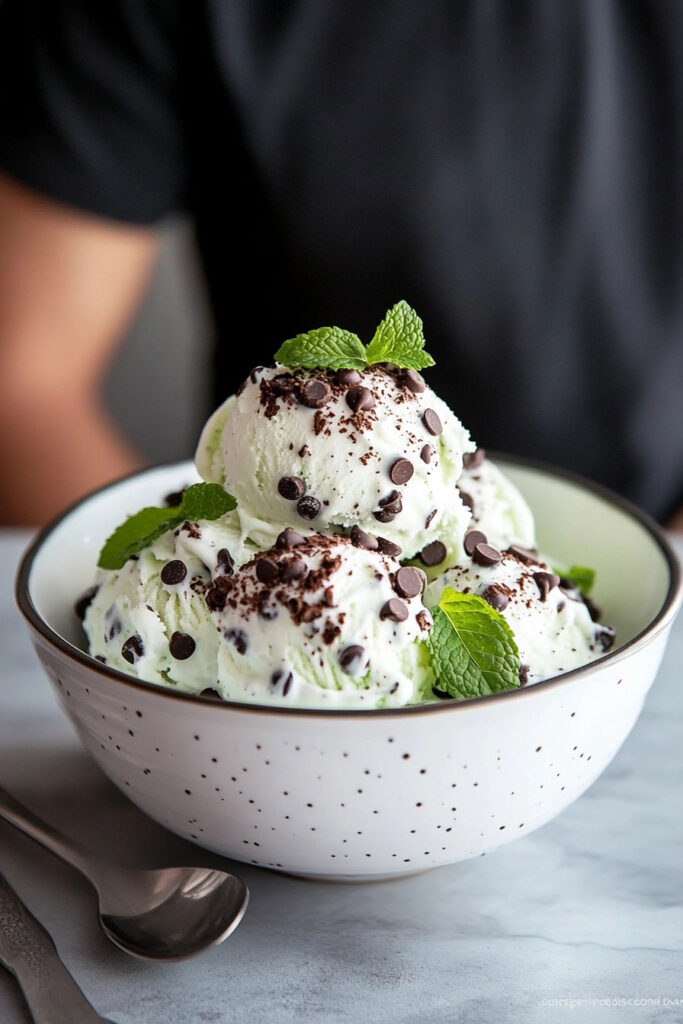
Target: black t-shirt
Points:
(512, 169)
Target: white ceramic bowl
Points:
(359, 794)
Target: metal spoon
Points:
(167, 914)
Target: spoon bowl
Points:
(165, 914)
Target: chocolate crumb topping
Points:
(523, 675)
(424, 620)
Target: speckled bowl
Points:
(361, 794)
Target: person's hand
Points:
(69, 283)
(676, 523)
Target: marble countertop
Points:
(582, 920)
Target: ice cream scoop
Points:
(324, 621)
(552, 625)
(377, 449)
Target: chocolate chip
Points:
(361, 539)
(471, 460)
(496, 597)
(408, 582)
(486, 554)
(253, 375)
(210, 693)
(526, 555)
(133, 649)
(466, 499)
(84, 602)
(173, 572)
(216, 597)
(351, 659)
(546, 581)
(394, 609)
(432, 422)
(428, 520)
(181, 646)
(295, 569)
(360, 399)
(284, 677)
(427, 453)
(315, 393)
(424, 620)
(401, 471)
(238, 638)
(414, 382)
(225, 565)
(308, 507)
(267, 609)
(267, 570)
(433, 554)
(523, 675)
(390, 506)
(289, 538)
(303, 451)
(174, 499)
(593, 609)
(441, 694)
(387, 547)
(604, 637)
(472, 538)
(114, 625)
(291, 487)
(347, 378)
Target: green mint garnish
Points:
(472, 648)
(399, 339)
(200, 501)
(581, 576)
(329, 347)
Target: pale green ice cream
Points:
(390, 466)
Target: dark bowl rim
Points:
(642, 639)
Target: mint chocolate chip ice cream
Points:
(337, 485)
(375, 449)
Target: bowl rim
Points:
(641, 640)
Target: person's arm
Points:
(69, 283)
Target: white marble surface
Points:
(589, 908)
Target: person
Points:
(512, 168)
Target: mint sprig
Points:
(200, 501)
(472, 648)
(330, 347)
(399, 339)
(581, 576)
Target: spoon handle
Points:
(28, 951)
(46, 835)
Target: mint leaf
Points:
(581, 576)
(472, 648)
(206, 501)
(200, 501)
(327, 347)
(400, 339)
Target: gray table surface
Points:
(581, 921)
